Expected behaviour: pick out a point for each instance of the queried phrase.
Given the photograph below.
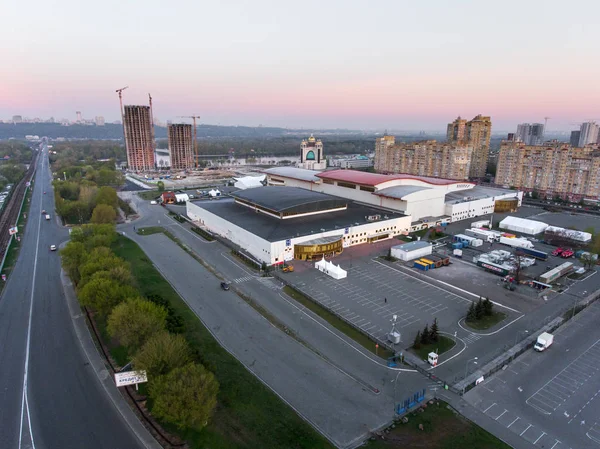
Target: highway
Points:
(49, 395)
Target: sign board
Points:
(347, 231)
(4, 277)
(27, 183)
(130, 378)
(13, 230)
(288, 242)
(478, 381)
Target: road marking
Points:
(516, 419)
(555, 443)
(485, 411)
(543, 433)
(24, 401)
(525, 430)
(501, 414)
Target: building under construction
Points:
(139, 137)
(181, 146)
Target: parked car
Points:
(225, 286)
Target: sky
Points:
(314, 64)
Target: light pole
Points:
(466, 370)
(519, 333)
(396, 383)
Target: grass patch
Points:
(149, 194)
(443, 428)
(14, 247)
(338, 323)
(487, 321)
(202, 233)
(242, 258)
(117, 351)
(248, 414)
(149, 230)
(572, 312)
(444, 344)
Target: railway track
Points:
(10, 214)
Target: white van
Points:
(153, 202)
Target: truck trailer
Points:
(516, 242)
(534, 253)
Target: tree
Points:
(471, 314)
(488, 307)
(99, 259)
(186, 397)
(588, 261)
(103, 294)
(434, 331)
(517, 265)
(479, 309)
(162, 353)
(134, 321)
(103, 213)
(73, 256)
(417, 342)
(107, 195)
(425, 337)
(160, 186)
(175, 323)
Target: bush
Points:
(186, 397)
(133, 322)
(162, 353)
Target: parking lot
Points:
(551, 398)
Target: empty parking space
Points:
(374, 292)
(567, 382)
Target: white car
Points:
(153, 202)
(52, 247)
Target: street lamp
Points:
(396, 383)
(519, 333)
(466, 370)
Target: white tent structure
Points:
(214, 193)
(523, 226)
(182, 197)
(329, 268)
(249, 182)
(578, 236)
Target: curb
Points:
(89, 348)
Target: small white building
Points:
(182, 197)
(249, 182)
(412, 250)
(523, 225)
(331, 269)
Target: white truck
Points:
(47, 217)
(543, 342)
(516, 242)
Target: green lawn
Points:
(443, 344)
(487, 321)
(149, 230)
(443, 428)
(248, 414)
(339, 324)
(149, 194)
(13, 248)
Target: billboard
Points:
(13, 230)
(130, 378)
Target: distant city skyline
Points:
(326, 65)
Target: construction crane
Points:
(193, 117)
(120, 92)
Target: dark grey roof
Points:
(289, 199)
(274, 229)
(294, 172)
(476, 193)
(400, 191)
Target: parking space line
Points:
(501, 414)
(485, 411)
(528, 427)
(555, 443)
(516, 419)
(538, 439)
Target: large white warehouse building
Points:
(429, 201)
(276, 224)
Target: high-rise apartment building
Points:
(181, 146)
(426, 158)
(588, 133)
(99, 120)
(530, 134)
(475, 133)
(17, 119)
(139, 137)
(79, 117)
(574, 140)
(554, 168)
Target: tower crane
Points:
(120, 92)
(194, 117)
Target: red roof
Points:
(373, 179)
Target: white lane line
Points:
(538, 439)
(24, 401)
(555, 443)
(528, 427)
(501, 414)
(516, 419)
(485, 411)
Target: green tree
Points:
(479, 311)
(162, 353)
(107, 195)
(103, 294)
(175, 323)
(160, 186)
(73, 256)
(103, 213)
(588, 261)
(186, 397)
(99, 259)
(134, 321)
(488, 307)
(434, 331)
(471, 314)
(417, 342)
(425, 336)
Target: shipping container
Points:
(534, 252)
(457, 245)
(429, 262)
(476, 242)
(493, 268)
(421, 266)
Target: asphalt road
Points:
(335, 389)
(551, 399)
(49, 395)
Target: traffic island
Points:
(442, 345)
(486, 322)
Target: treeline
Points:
(13, 159)
(182, 391)
(87, 151)
(84, 189)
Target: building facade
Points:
(530, 134)
(574, 140)
(139, 137)
(427, 158)
(475, 133)
(311, 154)
(99, 120)
(552, 169)
(180, 146)
(352, 163)
(588, 133)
